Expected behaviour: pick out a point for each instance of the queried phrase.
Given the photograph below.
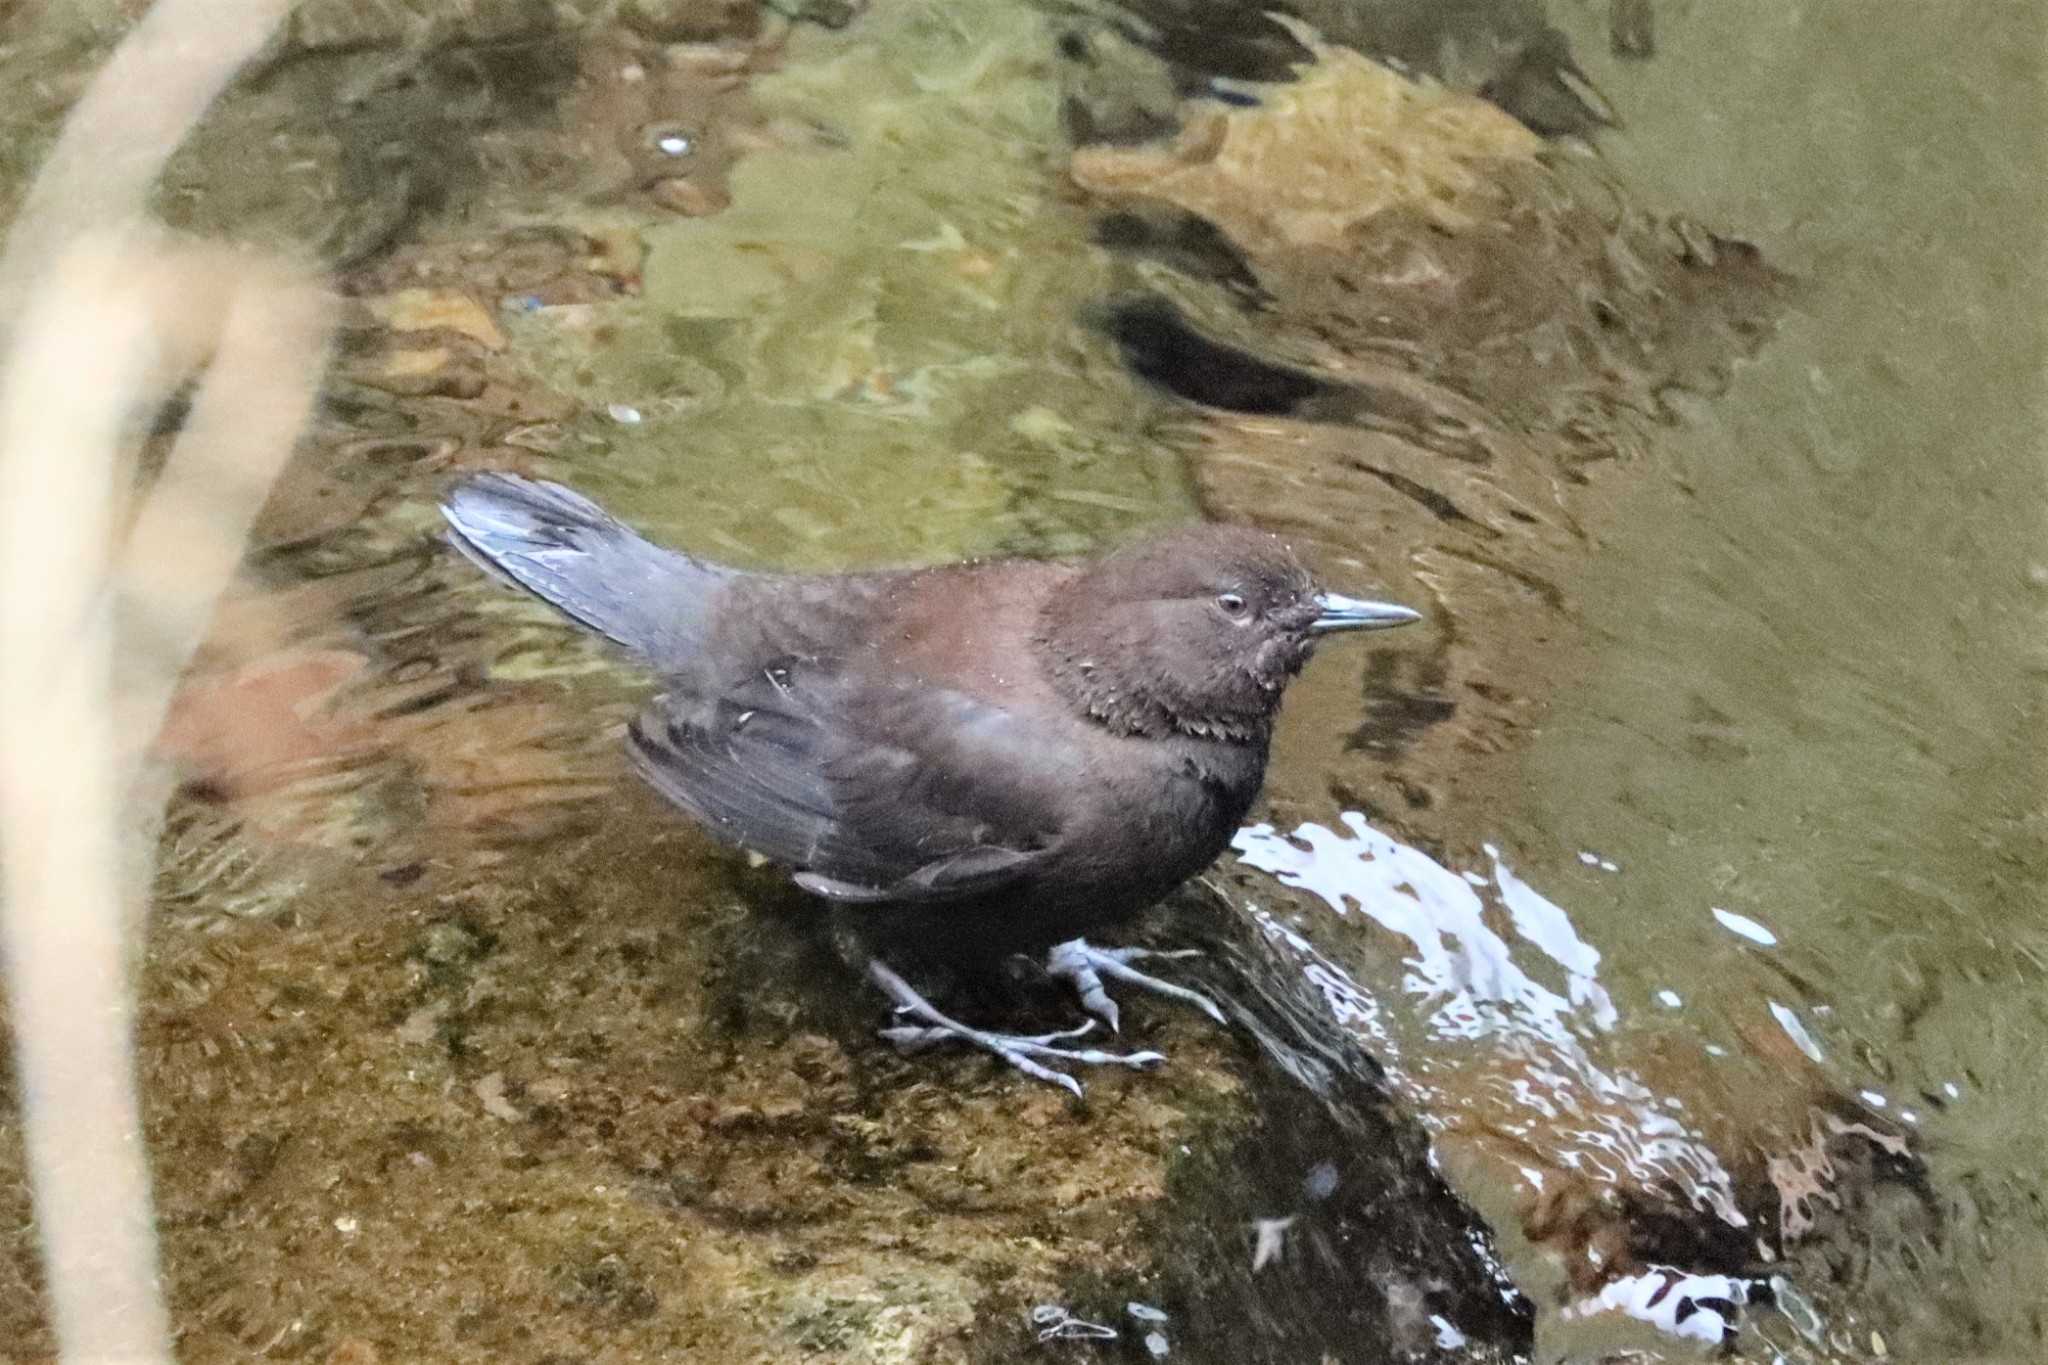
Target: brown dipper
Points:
(992, 757)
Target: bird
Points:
(974, 760)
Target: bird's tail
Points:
(569, 552)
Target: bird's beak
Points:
(1334, 613)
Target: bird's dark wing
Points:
(871, 790)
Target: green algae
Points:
(606, 1105)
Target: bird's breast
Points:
(1170, 816)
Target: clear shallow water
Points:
(1799, 684)
(1815, 696)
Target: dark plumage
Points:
(993, 756)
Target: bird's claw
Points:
(1019, 1050)
(1084, 964)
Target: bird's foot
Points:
(1083, 964)
(1019, 1050)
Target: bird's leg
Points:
(1016, 1049)
(1083, 964)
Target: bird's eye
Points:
(1232, 603)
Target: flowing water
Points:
(1815, 699)
(1674, 892)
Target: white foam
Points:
(1745, 926)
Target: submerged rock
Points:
(1319, 157)
(1440, 327)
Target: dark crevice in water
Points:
(1203, 39)
(1160, 346)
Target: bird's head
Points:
(1197, 631)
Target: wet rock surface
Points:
(568, 1114)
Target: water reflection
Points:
(1698, 1307)
(1476, 991)
(1498, 1052)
